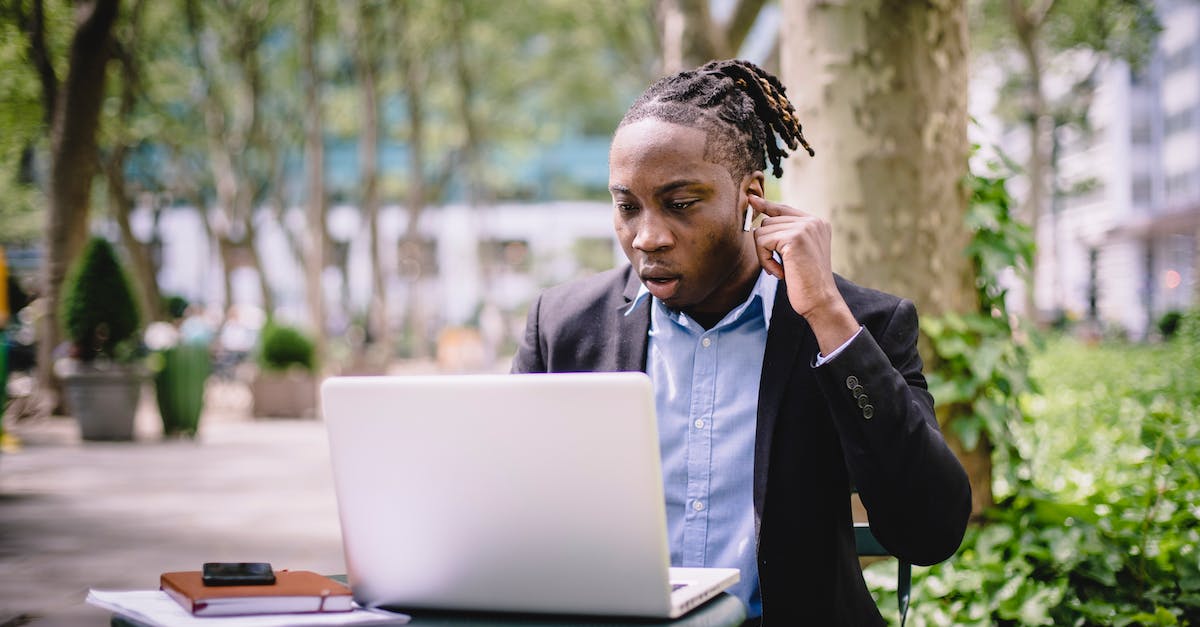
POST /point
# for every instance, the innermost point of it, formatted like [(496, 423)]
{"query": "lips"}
[(662, 285)]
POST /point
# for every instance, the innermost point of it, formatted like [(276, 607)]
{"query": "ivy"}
[(981, 363), (1098, 521)]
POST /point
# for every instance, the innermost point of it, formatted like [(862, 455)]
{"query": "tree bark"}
[(365, 58), (73, 163), (1027, 24), (314, 149), (414, 74), (881, 88)]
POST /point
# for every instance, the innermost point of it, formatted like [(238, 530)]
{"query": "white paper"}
[(155, 608)]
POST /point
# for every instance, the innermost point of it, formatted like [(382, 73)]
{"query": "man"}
[(778, 385)]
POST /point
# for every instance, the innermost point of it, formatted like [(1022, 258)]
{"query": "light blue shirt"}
[(706, 397)]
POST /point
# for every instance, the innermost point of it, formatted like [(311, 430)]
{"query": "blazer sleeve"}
[(916, 493), (529, 356)]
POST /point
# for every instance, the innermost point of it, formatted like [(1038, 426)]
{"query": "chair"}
[(869, 546)]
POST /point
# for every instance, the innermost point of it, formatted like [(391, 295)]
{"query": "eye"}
[(680, 205), (624, 207)]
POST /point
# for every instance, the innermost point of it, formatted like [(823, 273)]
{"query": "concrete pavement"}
[(76, 515)]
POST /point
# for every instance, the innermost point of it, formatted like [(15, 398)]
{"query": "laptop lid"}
[(531, 493)]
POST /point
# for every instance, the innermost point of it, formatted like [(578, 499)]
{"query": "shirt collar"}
[(764, 288)]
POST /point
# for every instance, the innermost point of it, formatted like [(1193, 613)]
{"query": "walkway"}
[(75, 516)]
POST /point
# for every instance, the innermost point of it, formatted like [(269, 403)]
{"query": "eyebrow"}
[(662, 189)]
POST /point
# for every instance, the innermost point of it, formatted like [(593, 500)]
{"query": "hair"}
[(742, 109)]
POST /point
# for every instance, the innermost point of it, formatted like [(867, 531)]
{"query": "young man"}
[(778, 384)]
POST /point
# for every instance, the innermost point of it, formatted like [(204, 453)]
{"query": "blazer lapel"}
[(787, 339), (633, 329)]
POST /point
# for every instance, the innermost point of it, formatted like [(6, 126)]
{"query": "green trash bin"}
[(179, 386)]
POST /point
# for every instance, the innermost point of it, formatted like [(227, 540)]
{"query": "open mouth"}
[(661, 287)]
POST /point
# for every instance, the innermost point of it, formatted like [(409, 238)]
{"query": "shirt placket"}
[(699, 450)]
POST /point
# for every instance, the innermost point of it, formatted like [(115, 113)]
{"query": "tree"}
[(365, 30), (122, 140), (690, 34), (881, 89), (1039, 32), (314, 151), (227, 57), (74, 103)]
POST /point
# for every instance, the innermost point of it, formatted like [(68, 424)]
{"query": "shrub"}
[(1168, 324), (282, 347), (98, 309)]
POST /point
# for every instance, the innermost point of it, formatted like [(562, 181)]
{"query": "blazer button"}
[(868, 411), (851, 382), (863, 401), (858, 391)]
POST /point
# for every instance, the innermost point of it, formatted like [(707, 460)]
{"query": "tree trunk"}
[(73, 162), (144, 272), (314, 149), (366, 53), (1026, 25), (412, 259), (881, 88)]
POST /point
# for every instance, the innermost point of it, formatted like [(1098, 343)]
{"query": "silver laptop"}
[(517, 493)]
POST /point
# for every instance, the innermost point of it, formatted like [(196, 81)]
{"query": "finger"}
[(763, 205), (765, 248)]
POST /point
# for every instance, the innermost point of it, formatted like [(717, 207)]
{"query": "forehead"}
[(652, 149)]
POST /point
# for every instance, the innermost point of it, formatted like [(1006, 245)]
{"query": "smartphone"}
[(237, 574)]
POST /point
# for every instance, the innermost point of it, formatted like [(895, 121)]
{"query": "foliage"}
[(1105, 528), (282, 347), (99, 312), (1168, 323), (979, 366)]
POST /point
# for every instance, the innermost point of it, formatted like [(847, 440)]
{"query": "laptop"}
[(534, 493)]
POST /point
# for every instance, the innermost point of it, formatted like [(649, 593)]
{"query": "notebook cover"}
[(293, 591)]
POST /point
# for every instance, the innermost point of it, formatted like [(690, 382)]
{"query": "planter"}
[(289, 394), (104, 402), (179, 388)]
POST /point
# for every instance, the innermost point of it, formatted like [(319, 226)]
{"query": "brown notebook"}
[(294, 591)]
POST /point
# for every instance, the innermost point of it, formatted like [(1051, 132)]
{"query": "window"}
[(505, 254), (594, 253), (1180, 59), (417, 258), (1142, 191), (1179, 121)]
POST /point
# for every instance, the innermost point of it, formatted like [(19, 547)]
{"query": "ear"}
[(753, 184)]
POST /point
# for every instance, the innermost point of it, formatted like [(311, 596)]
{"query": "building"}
[(1117, 243)]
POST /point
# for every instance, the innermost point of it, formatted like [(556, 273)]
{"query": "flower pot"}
[(104, 401), (289, 394), (179, 388)]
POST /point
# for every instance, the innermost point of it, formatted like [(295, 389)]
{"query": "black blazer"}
[(864, 419)]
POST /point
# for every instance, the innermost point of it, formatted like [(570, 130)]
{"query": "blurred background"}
[(236, 198)]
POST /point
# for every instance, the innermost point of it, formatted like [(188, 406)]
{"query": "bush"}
[(282, 347), (98, 310), (1168, 324), (1104, 527)]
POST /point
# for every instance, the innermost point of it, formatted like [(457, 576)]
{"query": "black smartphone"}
[(237, 574)]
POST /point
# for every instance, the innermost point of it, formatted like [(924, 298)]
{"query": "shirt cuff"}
[(822, 359)]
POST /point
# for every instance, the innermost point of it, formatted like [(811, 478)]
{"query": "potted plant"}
[(285, 385), (100, 318), (181, 367)]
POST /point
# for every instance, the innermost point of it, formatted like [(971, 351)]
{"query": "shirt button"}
[(698, 505), (706, 342), (699, 423)]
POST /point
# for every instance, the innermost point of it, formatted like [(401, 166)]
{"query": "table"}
[(723, 611)]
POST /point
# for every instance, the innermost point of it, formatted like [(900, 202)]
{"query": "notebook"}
[(515, 493)]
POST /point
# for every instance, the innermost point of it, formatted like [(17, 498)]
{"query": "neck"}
[(708, 314)]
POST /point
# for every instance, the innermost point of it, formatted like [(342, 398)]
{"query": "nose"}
[(653, 233)]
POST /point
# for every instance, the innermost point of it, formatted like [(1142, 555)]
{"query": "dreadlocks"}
[(740, 106)]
